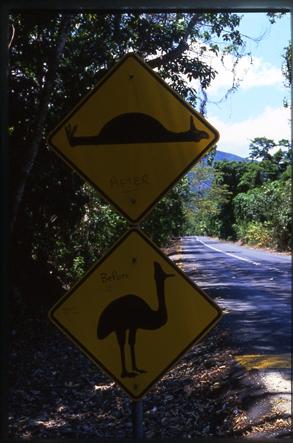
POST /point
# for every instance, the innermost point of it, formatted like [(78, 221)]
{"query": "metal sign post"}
[(137, 419)]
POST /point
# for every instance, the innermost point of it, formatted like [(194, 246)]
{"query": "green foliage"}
[(247, 205), (265, 210), (169, 217), (287, 174), (254, 233), (251, 177), (259, 148), (250, 201), (228, 176), (207, 201), (287, 70), (78, 266), (98, 228), (287, 65)]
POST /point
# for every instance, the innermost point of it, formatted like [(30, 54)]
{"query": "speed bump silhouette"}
[(130, 313), (134, 127)]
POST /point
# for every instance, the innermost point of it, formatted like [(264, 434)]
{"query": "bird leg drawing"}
[(129, 313)]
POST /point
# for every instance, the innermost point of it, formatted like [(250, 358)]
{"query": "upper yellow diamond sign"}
[(132, 137), (135, 313)]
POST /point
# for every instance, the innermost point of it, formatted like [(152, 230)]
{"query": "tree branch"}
[(178, 51), (12, 36), (42, 116)]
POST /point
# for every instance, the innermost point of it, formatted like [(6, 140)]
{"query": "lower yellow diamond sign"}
[(135, 313)]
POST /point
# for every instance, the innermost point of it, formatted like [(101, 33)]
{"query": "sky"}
[(256, 108)]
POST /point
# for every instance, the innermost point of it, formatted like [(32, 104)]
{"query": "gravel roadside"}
[(57, 392)]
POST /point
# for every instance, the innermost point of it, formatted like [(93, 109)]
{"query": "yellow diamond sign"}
[(135, 313), (132, 137)]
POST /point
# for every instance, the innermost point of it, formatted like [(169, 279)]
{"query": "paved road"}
[(253, 287)]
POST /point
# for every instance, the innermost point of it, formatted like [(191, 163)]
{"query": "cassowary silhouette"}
[(134, 127), (130, 313)]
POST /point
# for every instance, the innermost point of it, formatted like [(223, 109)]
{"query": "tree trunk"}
[(42, 116)]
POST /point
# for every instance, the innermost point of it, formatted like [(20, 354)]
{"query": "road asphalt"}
[(253, 288)]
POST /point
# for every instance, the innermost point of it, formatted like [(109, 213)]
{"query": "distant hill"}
[(221, 155)]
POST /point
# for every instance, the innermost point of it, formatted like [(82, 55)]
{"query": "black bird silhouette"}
[(134, 127), (130, 313)]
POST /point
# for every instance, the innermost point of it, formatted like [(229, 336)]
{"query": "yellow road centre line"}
[(267, 361)]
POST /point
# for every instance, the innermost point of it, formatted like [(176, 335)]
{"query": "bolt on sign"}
[(135, 313), (132, 137)]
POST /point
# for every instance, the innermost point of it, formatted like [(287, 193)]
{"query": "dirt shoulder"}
[(57, 392)]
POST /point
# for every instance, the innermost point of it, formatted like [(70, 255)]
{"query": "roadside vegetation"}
[(248, 201)]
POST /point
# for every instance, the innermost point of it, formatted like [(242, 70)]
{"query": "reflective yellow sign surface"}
[(135, 313), (132, 137)]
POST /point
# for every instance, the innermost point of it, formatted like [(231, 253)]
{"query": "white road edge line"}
[(228, 253)]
